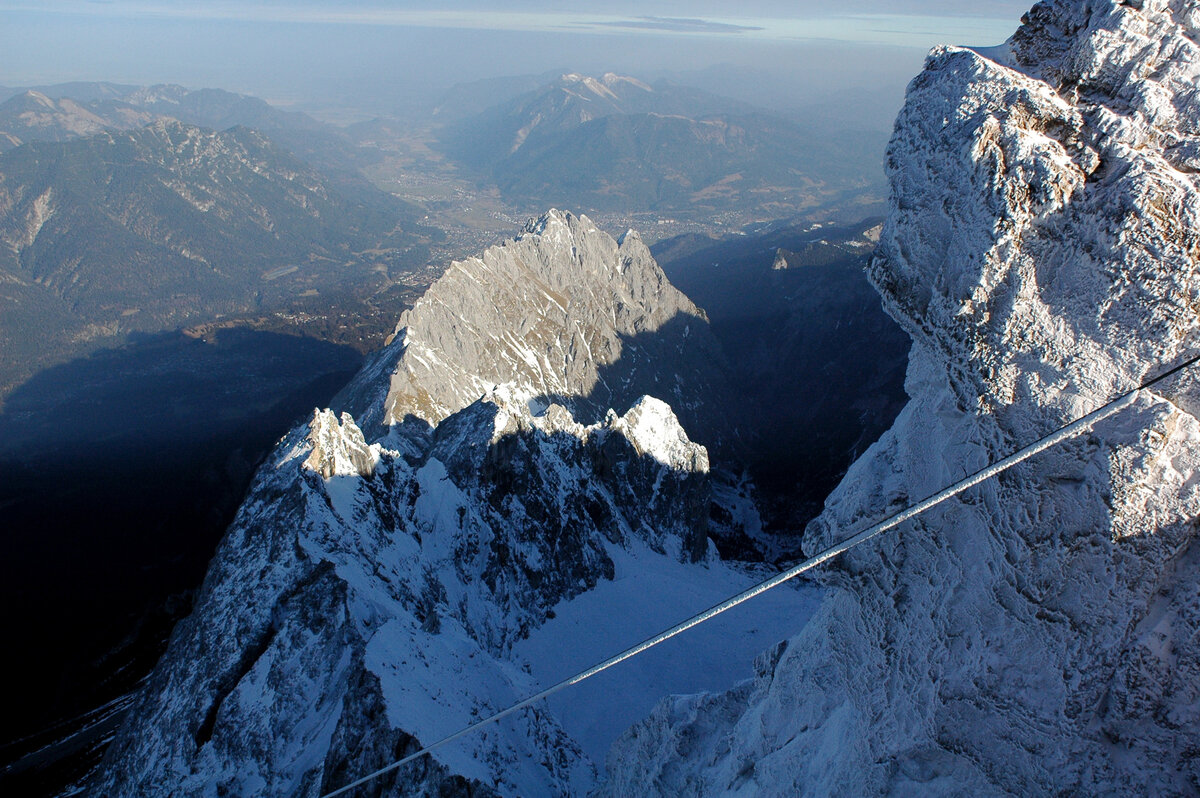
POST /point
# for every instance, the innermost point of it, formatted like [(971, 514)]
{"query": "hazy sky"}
[(377, 55)]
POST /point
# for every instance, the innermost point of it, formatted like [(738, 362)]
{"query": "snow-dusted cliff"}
[(1040, 635), (386, 585)]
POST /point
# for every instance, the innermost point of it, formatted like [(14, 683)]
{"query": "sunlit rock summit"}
[(563, 312)]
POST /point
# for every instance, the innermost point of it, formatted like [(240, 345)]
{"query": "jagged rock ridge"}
[(561, 313), (386, 585), (1039, 634)]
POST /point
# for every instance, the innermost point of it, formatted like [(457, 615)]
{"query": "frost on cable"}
[(1041, 633)]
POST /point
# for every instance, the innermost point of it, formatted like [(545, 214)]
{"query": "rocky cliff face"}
[(562, 313), (385, 586), (1038, 635)]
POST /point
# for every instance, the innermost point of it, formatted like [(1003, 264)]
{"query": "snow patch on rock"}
[(652, 428)]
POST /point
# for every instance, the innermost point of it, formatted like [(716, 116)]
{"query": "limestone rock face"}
[(1039, 635), (562, 313)]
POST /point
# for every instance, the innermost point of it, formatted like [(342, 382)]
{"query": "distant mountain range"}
[(617, 143), (149, 228), (71, 110), (129, 208), (606, 144)]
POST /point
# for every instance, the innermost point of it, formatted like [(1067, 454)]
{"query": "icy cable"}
[(1059, 435)]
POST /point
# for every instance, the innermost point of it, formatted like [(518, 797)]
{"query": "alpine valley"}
[(615, 142)]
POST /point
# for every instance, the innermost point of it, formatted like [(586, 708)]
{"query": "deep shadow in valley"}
[(121, 472), (798, 371), (817, 364)]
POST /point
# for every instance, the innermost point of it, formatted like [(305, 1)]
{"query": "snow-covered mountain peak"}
[(34, 114), (40, 99), (379, 590), (653, 429), (556, 223), (1153, 105), (1074, 152), (650, 426), (612, 79), (1085, 47), (628, 234), (606, 87)]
